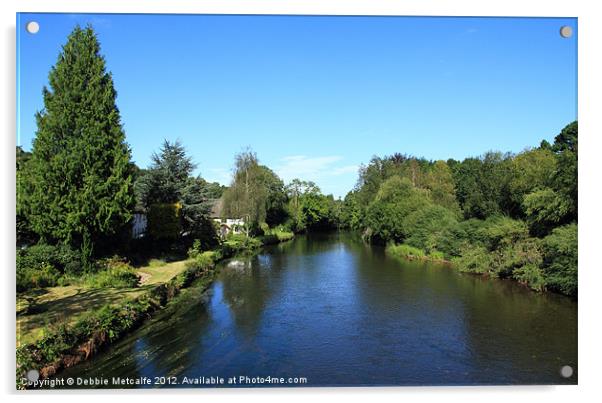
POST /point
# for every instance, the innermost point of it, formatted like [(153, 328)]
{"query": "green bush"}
[(264, 229), (526, 252), (200, 265), (45, 276), (164, 221), (117, 277), (530, 275), (61, 257), (453, 240), (227, 250), (114, 272), (275, 236), (240, 243), (237, 238), (205, 260), (474, 259), (494, 233), (195, 249), (545, 208), (560, 259), (282, 235), (496, 246), (54, 342), (404, 251), (436, 255), (397, 198), (43, 265), (500, 231), (425, 226)]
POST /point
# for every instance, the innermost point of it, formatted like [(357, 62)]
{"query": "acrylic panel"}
[(295, 201)]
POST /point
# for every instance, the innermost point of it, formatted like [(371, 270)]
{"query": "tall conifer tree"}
[(78, 185)]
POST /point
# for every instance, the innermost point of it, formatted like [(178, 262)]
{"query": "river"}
[(337, 312)]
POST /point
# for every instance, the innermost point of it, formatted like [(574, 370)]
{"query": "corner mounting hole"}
[(33, 375), (566, 31), (566, 371), (32, 27)]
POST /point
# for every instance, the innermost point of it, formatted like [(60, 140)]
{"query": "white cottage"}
[(227, 225)]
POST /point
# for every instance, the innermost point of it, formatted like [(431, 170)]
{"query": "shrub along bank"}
[(502, 247), (66, 345), (40, 266)]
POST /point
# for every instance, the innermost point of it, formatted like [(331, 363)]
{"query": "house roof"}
[(217, 208)]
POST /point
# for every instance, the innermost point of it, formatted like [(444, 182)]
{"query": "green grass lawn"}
[(54, 305)]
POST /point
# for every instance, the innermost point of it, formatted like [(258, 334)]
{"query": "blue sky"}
[(315, 97)]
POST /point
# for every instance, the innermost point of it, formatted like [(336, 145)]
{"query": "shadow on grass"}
[(71, 307)]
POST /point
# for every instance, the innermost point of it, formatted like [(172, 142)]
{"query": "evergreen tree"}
[(78, 184), (167, 177), (25, 235), (168, 182)]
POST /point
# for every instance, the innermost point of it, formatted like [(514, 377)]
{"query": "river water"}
[(338, 312)]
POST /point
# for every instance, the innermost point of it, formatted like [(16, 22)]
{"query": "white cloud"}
[(221, 175), (345, 169), (312, 168)]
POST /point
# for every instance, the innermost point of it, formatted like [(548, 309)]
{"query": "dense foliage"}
[(309, 209), (43, 265), (560, 259), (256, 193), (259, 196), (175, 202), (76, 187), (503, 215), (164, 221), (113, 272)]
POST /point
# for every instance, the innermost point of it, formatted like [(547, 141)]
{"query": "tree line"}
[(503, 215)]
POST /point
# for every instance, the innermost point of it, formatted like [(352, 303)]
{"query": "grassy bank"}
[(59, 327), (79, 338), (276, 236), (404, 251), (40, 308)]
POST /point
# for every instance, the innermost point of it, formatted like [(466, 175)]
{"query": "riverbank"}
[(408, 252), (71, 342), (38, 308), (527, 276), (93, 323)]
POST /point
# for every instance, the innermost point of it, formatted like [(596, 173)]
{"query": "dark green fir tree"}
[(78, 185)]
